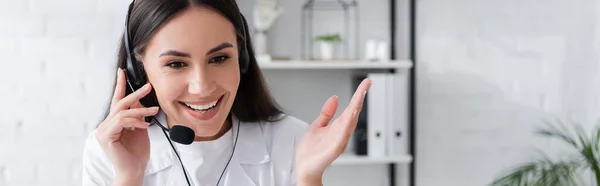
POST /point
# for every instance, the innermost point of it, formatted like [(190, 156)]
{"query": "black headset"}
[(136, 78)]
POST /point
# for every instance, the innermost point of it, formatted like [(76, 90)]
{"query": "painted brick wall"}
[(57, 61), (492, 71)]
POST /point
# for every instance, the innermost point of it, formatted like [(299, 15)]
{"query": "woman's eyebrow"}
[(220, 47), (183, 54), (174, 53)]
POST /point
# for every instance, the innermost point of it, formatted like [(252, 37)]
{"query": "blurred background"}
[(468, 82)]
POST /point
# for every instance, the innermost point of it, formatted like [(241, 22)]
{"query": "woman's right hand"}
[(129, 150)]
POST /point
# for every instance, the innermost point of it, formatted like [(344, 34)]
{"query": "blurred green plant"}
[(330, 38), (545, 172)]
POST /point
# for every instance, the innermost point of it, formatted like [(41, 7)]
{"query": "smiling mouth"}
[(203, 108)]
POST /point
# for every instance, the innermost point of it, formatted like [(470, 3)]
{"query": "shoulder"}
[(287, 125), (97, 168), (285, 135)]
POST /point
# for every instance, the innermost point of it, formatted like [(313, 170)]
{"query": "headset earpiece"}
[(135, 76), (244, 60), (134, 71), (244, 57)]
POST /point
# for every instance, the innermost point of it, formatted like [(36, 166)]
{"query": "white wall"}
[(57, 59), (489, 72)]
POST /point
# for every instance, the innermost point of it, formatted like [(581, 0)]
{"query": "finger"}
[(119, 124), (136, 125), (347, 123), (138, 112), (355, 106), (327, 112), (119, 88), (132, 98)]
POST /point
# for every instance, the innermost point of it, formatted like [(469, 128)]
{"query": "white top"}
[(264, 155), (205, 160)]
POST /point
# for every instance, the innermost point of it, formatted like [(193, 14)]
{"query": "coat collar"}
[(251, 147)]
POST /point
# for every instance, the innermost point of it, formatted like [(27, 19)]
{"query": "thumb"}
[(327, 112)]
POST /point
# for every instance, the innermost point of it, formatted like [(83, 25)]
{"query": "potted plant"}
[(327, 43), (544, 171)]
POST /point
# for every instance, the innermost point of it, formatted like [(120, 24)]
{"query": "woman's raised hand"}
[(123, 135), (323, 143)]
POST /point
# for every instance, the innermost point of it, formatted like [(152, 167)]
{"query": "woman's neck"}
[(224, 128)]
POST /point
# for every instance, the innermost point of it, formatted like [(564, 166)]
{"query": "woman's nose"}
[(201, 84)]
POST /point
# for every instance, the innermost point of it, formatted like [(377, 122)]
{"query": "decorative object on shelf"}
[(383, 51), (328, 13), (327, 45), (566, 171), (265, 13), (376, 50)]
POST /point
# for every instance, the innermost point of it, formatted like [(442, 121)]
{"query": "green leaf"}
[(596, 137), (589, 151), (329, 38), (543, 172), (552, 131)]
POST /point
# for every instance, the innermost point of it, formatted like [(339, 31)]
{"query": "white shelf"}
[(298, 64), (366, 160)]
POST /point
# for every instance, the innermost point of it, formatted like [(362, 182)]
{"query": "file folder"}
[(377, 115), (397, 114)]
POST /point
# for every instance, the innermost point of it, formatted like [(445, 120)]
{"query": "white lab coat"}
[(264, 156)]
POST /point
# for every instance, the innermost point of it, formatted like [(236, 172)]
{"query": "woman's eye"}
[(176, 65), (218, 59)]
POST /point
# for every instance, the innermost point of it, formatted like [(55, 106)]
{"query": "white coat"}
[(264, 156)]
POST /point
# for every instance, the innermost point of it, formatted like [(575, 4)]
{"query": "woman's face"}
[(192, 64)]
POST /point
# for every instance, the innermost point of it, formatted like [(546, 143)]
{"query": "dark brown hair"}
[(253, 101)]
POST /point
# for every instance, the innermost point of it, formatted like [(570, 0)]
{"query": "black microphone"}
[(179, 133), (182, 134)]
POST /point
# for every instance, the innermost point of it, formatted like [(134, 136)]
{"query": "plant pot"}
[(327, 50)]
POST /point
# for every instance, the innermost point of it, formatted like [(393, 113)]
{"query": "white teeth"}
[(203, 107)]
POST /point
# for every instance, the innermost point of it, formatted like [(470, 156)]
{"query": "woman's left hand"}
[(323, 143)]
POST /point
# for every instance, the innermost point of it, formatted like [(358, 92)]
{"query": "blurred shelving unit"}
[(312, 74), (301, 84), (300, 64)]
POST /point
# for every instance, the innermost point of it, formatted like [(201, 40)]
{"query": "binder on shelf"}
[(397, 115), (383, 121), (377, 115)]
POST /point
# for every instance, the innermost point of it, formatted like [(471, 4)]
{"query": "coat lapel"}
[(251, 154), (161, 155)]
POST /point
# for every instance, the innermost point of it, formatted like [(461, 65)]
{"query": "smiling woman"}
[(189, 65)]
